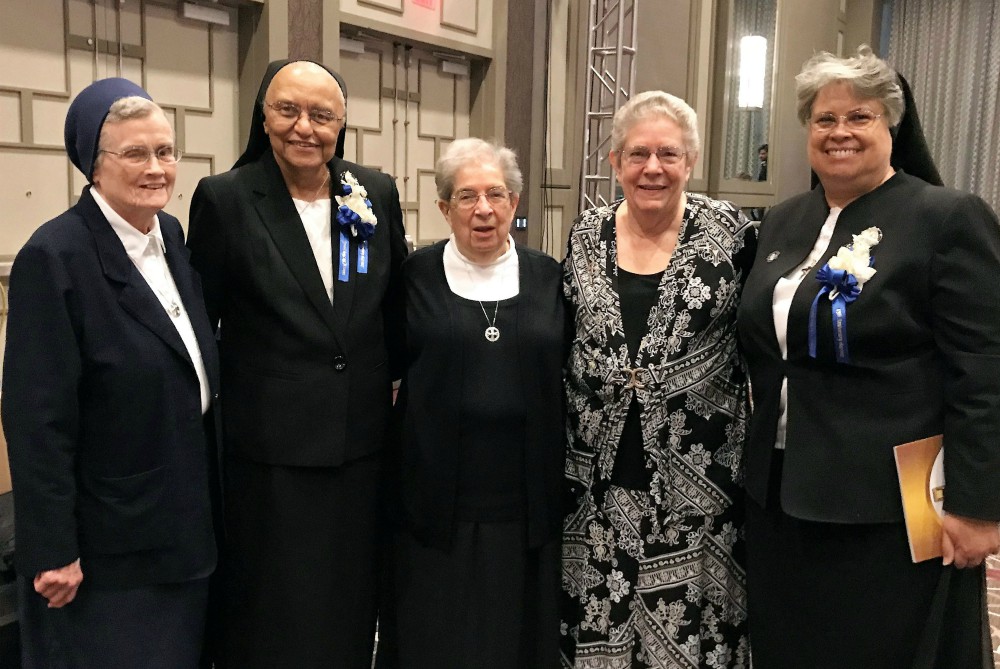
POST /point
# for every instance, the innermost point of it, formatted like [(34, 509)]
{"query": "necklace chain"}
[(315, 196), (492, 332), (172, 305)]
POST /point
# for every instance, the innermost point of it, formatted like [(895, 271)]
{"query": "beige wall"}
[(680, 48), (803, 29)]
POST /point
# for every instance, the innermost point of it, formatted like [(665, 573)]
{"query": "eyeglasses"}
[(140, 155), (292, 112), (468, 199), (639, 155), (859, 119)]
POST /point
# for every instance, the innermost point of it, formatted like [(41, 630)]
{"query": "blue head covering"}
[(86, 115)]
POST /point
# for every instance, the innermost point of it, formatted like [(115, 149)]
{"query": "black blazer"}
[(924, 346), (426, 411), (306, 383), (102, 409)]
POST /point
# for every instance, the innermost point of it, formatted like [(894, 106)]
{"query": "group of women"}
[(579, 473)]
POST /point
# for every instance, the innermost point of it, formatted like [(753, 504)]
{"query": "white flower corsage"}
[(355, 210), (842, 278), (855, 259), (355, 217)]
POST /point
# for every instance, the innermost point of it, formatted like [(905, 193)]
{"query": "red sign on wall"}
[(429, 4)]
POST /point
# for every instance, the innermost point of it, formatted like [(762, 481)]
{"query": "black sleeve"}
[(207, 242), (965, 308), (42, 371), (393, 303)]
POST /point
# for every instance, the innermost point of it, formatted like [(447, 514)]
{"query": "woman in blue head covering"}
[(110, 372)]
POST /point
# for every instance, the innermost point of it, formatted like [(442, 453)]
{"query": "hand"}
[(59, 586), (967, 541)]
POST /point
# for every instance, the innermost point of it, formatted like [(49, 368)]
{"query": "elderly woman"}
[(109, 373), (870, 321), (300, 252), (476, 562), (657, 401)]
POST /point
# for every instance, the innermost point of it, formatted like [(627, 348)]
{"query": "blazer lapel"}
[(278, 215), (798, 240), (343, 291), (136, 297), (180, 268)]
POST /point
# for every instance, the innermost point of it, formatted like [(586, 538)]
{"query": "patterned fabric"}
[(655, 578)]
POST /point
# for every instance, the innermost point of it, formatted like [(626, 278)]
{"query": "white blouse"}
[(148, 253), (781, 302), (318, 226)]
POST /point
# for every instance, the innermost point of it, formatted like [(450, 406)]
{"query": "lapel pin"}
[(772, 256)]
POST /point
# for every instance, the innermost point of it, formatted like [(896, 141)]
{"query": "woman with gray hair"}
[(652, 565), (110, 377), (480, 450), (870, 321)]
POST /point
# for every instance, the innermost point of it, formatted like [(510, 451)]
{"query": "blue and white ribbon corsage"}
[(842, 279), (355, 217)]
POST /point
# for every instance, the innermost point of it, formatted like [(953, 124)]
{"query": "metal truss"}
[(610, 80)]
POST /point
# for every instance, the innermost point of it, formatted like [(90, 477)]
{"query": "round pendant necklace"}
[(492, 333)]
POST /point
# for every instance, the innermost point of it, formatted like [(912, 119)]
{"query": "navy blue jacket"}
[(102, 409)]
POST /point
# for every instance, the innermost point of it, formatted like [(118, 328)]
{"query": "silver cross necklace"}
[(492, 332)]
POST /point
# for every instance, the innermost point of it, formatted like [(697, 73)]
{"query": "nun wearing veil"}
[(870, 320), (299, 251)]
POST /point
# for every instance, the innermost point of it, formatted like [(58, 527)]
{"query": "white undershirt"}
[(494, 281), (316, 219), (781, 302), (148, 253)]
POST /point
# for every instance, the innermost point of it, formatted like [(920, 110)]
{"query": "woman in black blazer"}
[(109, 375), (299, 251), (481, 446), (870, 320)]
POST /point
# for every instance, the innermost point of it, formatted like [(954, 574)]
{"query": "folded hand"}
[(967, 541), (59, 586)]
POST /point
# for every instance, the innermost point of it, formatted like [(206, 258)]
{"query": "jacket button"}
[(340, 363)]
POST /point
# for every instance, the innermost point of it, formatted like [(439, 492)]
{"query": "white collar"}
[(452, 247), (135, 242)]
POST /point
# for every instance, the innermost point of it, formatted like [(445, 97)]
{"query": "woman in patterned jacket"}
[(657, 401)]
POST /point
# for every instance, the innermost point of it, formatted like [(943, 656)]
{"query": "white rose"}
[(870, 237), (854, 263)]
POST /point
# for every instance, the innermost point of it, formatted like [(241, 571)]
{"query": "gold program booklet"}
[(920, 467)]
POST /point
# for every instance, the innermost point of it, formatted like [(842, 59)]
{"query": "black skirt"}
[(828, 595), (489, 602)]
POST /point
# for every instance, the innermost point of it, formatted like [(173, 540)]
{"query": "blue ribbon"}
[(344, 264), (350, 222), (363, 257), (845, 289)]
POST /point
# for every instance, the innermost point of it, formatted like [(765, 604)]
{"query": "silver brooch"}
[(773, 255)]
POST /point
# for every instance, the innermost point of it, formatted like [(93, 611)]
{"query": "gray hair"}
[(132, 107), (656, 103), (869, 76), (475, 151), (127, 109)]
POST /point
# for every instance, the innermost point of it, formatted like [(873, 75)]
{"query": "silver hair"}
[(656, 103), (472, 150), (132, 107), (127, 109), (869, 76)]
